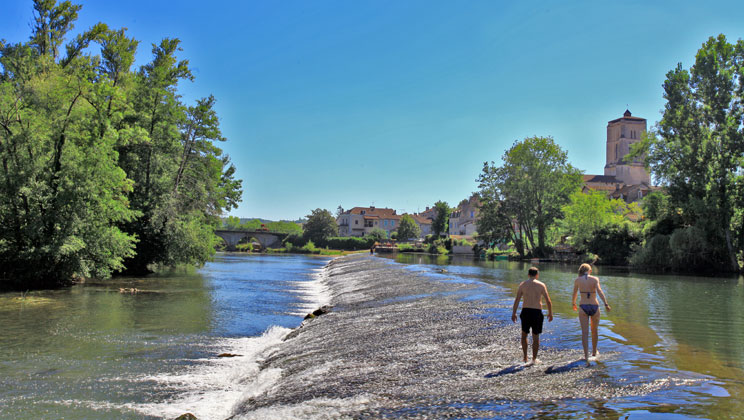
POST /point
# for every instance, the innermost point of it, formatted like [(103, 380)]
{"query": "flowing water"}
[(417, 337), (91, 352)]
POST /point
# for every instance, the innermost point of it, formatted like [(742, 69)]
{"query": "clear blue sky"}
[(399, 103)]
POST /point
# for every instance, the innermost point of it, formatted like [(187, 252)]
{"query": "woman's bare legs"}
[(595, 333), (584, 321)]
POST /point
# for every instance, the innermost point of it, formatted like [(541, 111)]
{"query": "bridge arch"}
[(266, 239)]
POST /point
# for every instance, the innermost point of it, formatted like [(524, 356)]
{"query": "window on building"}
[(356, 222), (392, 223), (640, 194), (472, 214), (368, 223), (364, 211)]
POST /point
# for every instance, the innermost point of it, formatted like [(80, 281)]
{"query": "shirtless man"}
[(532, 317), (589, 288)]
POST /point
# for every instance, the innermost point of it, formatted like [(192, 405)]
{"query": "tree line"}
[(694, 222), (103, 167)]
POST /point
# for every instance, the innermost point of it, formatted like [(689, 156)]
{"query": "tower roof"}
[(627, 113)]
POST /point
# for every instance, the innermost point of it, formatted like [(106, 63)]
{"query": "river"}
[(409, 337)]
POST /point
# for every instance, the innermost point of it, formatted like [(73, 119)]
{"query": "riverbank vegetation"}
[(103, 168), (693, 222), (234, 223)]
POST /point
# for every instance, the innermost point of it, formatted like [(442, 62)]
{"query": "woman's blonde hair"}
[(584, 268)]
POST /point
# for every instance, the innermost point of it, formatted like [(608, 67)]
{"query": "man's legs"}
[(524, 345), (535, 346)]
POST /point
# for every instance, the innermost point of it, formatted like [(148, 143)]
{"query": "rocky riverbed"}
[(417, 343)]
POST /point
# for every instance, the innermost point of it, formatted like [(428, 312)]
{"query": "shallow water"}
[(405, 340), (92, 352), (658, 322)]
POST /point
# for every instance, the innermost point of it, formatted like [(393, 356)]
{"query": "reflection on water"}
[(685, 323), (90, 351)]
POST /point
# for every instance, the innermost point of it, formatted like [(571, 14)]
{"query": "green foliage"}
[(614, 244), (320, 225), (589, 212), (521, 199), (377, 234), (102, 168), (408, 228), (343, 243), (697, 152), (441, 220)]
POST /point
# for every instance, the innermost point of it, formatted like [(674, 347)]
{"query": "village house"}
[(359, 221), (463, 220)]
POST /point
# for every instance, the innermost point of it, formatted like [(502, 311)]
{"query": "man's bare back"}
[(532, 291)]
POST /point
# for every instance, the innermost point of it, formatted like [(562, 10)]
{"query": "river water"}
[(410, 337)]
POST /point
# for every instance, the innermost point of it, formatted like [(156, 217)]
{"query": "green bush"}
[(614, 244), (347, 243), (654, 255)]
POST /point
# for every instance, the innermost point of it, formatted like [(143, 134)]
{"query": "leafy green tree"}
[(320, 225), (441, 219), (408, 228), (102, 168), (591, 211), (377, 234), (697, 152), (527, 192), (284, 227), (61, 191)]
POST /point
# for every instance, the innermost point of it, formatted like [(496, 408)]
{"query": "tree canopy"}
[(521, 199), (697, 154), (320, 225), (408, 228), (589, 212), (441, 219), (102, 167)]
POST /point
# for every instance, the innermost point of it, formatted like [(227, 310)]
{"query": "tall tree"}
[(320, 225), (529, 189), (95, 158), (441, 219), (61, 191), (408, 228), (697, 151)]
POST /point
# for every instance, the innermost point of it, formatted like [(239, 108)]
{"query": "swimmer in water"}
[(589, 288)]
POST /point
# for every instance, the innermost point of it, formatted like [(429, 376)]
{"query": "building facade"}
[(359, 221), (623, 177), (463, 220)]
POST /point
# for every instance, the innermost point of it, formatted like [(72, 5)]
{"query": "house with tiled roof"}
[(424, 223), (359, 221)]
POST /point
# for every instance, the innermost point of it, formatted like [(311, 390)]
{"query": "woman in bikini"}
[(589, 288)]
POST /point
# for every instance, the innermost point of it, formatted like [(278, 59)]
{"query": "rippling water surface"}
[(657, 323), (92, 352)]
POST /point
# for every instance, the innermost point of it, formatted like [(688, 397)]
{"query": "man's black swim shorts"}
[(531, 318)]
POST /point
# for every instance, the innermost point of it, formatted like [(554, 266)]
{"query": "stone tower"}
[(621, 133)]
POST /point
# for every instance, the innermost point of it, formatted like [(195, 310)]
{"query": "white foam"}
[(212, 387), (313, 293)]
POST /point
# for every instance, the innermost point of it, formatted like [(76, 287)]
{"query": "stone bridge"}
[(265, 238)]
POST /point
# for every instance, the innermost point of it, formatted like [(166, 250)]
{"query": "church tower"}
[(621, 133)]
